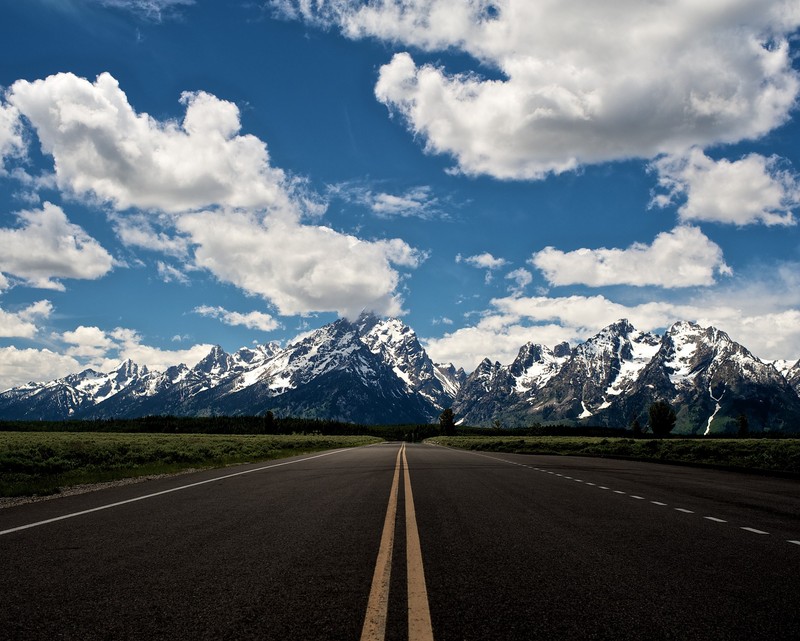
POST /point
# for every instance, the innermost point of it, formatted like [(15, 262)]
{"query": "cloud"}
[(104, 149), (521, 277), (156, 359), (171, 274), (683, 257), (417, 202), (138, 230), (483, 261), (23, 324), (300, 268), (770, 333), (251, 320), (214, 191), (47, 247), (12, 144), (104, 350), (468, 346), (583, 82), (21, 366), (155, 10), (88, 342), (753, 189)]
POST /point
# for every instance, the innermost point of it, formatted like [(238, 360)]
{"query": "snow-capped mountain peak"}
[(376, 370), (397, 344)]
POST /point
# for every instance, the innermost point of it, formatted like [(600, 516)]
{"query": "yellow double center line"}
[(419, 615)]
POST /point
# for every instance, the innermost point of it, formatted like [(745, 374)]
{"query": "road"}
[(410, 542)]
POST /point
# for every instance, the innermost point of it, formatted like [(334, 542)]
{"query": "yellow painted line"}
[(419, 615), (378, 604)]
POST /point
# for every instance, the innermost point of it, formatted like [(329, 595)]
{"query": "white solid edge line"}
[(174, 489)]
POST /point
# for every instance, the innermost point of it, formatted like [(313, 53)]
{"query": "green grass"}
[(782, 455), (37, 463)]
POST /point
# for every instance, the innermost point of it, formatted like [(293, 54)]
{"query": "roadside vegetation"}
[(265, 424), (770, 455), (39, 463), (39, 457)]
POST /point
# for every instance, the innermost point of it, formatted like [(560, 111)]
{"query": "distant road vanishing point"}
[(413, 542)]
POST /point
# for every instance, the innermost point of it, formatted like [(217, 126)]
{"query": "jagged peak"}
[(487, 366), (529, 354), (216, 356), (366, 321), (127, 368), (623, 327)]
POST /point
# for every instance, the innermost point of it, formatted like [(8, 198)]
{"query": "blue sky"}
[(183, 173)]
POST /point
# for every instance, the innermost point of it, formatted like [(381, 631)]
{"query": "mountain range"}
[(376, 371)]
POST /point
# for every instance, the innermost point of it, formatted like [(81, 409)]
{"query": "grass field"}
[(780, 455), (36, 463)]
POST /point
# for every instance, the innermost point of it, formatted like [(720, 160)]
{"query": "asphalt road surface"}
[(410, 542)]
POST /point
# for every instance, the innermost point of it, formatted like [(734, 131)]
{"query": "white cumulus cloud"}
[(21, 366), (104, 149), (105, 350), (769, 331), (579, 81), (300, 268), (683, 257), (12, 143), (23, 323), (88, 342), (47, 247), (142, 231), (521, 278), (483, 261), (753, 189), (215, 201), (251, 320)]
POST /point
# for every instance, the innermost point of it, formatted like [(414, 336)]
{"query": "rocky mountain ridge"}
[(376, 371)]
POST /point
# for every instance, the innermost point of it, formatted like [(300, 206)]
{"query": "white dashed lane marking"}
[(753, 530), (637, 497)]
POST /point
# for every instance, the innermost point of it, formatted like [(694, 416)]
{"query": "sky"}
[(176, 174)]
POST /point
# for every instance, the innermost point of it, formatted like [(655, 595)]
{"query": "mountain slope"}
[(711, 380), (397, 345)]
